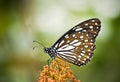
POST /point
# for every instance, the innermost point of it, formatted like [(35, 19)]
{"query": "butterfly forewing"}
[(78, 44)]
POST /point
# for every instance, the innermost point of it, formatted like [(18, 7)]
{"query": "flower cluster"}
[(58, 71)]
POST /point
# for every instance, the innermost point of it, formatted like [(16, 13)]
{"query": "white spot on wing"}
[(96, 23), (89, 54), (78, 59), (79, 64), (91, 27), (89, 50), (91, 40), (81, 54), (74, 41), (86, 24), (94, 35), (69, 47), (86, 40), (84, 31), (81, 36), (77, 44), (68, 41), (84, 59), (97, 27), (91, 43), (83, 51), (95, 32), (79, 32), (78, 29), (67, 36), (86, 46), (73, 35), (93, 20), (88, 57), (81, 48), (91, 47), (56, 46)]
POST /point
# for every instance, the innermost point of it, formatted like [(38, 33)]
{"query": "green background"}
[(22, 21)]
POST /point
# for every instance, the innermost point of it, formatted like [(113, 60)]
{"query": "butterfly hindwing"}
[(78, 44)]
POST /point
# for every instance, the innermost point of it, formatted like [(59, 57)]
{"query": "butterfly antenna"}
[(38, 43)]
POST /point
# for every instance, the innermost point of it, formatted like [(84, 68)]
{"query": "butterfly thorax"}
[(52, 52)]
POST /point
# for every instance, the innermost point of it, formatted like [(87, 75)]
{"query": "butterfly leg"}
[(49, 60)]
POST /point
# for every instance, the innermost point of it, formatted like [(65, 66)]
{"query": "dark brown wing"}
[(78, 44)]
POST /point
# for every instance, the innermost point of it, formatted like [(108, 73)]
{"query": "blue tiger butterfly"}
[(77, 45)]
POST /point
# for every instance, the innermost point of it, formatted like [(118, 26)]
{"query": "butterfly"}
[(77, 45)]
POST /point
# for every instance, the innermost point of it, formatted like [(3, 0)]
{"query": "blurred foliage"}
[(22, 21)]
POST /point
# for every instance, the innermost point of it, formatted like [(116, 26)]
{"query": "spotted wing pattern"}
[(78, 44)]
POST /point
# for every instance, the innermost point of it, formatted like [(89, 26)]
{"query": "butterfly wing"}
[(78, 44)]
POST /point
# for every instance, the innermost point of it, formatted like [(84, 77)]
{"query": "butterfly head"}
[(52, 52)]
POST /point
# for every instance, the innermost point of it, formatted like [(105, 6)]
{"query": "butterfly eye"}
[(78, 44)]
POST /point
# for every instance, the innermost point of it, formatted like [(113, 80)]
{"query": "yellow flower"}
[(58, 71)]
